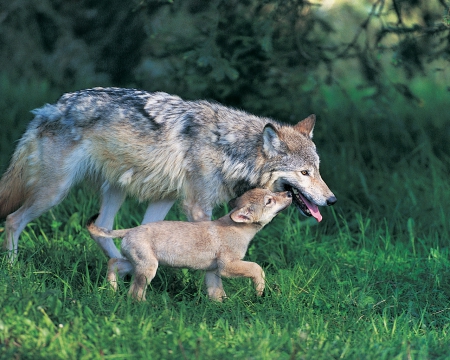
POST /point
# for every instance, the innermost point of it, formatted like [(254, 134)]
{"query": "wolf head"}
[(293, 165)]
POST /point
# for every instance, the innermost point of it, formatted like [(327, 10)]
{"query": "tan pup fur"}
[(215, 246)]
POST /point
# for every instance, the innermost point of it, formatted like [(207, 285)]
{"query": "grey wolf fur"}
[(216, 246), (157, 148)]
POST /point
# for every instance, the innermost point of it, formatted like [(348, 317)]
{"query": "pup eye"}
[(304, 172), (269, 201)]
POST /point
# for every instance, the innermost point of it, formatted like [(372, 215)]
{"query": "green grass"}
[(369, 282)]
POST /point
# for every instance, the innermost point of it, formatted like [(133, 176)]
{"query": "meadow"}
[(369, 282)]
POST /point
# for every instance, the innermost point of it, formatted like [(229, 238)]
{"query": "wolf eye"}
[(304, 172), (268, 201)]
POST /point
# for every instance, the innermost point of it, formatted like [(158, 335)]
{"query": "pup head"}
[(259, 206)]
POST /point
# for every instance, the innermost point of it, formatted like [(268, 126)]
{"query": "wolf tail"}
[(94, 230), (13, 189)]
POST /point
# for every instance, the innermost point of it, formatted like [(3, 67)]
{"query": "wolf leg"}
[(195, 212), (112, 199), (157, 211), (38, 202), (14, 225)]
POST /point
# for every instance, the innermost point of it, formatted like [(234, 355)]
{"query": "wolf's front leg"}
[(112, 199), (198, 213), (246, 269), (157, 211)]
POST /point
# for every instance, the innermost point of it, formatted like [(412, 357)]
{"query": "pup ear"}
[(271, 142), (306, 126), (242, 215)]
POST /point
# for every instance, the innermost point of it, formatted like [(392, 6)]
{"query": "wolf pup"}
[(157, 148), (216, 246)]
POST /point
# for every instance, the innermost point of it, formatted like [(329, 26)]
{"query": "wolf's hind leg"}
[(157, 211), (112, 199), (43, 198), (14, 225)]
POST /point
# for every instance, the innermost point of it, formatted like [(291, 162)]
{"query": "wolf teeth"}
[(299, 201)]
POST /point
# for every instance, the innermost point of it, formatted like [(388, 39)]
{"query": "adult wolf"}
[(157, 148)]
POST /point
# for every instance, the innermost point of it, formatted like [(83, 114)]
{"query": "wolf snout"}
[(331, 200)]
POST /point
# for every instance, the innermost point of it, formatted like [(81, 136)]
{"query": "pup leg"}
[(112, 199), (119, 267), (246, 269), (196, 212), (214, 286), (157, 211), (144, 273)]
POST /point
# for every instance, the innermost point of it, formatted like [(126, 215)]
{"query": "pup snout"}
[(331, 200)]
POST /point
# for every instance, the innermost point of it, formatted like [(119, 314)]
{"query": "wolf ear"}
[(271, 142), (306, 126), (242, 215)]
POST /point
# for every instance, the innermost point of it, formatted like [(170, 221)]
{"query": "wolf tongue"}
[(313, 208)]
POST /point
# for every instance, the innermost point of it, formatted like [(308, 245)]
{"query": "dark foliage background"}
[(267, 56)]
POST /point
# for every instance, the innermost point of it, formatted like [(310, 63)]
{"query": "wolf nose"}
[(331, 200)]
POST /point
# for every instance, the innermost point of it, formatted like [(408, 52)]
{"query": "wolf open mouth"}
[(305, 206)]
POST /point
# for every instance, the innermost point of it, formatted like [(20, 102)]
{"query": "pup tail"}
[(13, 184), (94, 230)]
